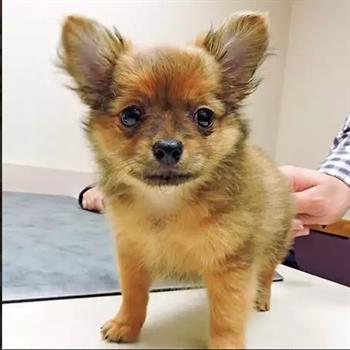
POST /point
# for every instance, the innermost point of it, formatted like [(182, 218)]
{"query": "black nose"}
[(168, 151)]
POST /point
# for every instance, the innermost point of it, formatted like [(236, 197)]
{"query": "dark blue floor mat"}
[(53, 248)]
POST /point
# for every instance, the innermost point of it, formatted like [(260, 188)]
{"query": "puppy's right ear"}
[(89, 53), (239, 45)]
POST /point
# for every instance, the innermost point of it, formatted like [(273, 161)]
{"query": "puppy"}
[(186, 193)]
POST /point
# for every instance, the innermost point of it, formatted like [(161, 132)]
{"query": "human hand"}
[(93, 199), (320, 198)]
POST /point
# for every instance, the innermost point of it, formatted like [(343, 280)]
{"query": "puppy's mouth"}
[(169, 178)]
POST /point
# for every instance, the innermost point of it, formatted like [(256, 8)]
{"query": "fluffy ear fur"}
[(239, 45), (89, 53)]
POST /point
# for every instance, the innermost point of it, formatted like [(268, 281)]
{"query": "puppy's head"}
[(164, 115)]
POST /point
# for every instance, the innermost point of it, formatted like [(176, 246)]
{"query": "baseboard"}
[(23, 178)]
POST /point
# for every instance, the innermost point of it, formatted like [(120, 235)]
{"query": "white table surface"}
[(307, 312)]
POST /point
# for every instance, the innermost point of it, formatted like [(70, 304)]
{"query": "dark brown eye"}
[(204, 117), (131, 116)]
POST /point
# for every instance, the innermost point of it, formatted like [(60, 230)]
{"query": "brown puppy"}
[(186, 193)]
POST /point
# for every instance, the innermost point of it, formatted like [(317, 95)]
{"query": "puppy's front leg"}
[(135, 282), (231, 294)]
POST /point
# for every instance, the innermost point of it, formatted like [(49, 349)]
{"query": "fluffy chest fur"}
[(177, 231)]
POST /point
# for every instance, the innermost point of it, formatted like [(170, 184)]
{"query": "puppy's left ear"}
[(239, 45), (89, 52)]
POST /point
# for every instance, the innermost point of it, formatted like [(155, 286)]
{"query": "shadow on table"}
[(188, 327)]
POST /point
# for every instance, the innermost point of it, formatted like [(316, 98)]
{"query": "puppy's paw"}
[(120, 332), (262, 302)]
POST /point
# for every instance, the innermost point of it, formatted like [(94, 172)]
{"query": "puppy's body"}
[(186, 193), (194, 229)]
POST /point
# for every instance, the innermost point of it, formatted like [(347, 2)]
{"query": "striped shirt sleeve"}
[(337, 162)]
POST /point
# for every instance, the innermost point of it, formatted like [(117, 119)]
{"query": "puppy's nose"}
[(168, 151)]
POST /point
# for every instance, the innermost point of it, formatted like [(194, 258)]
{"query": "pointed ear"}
[(89, 53), (239, 45)]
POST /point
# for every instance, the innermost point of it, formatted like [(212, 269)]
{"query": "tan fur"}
[(229, 224)]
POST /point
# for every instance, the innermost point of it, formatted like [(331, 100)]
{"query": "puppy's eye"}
[(131, 116), (204, 117)]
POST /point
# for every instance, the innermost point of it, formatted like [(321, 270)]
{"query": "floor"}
[(53, 248), (307, 312)]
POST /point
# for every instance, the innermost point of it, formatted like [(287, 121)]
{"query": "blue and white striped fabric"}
[(338, 161)]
